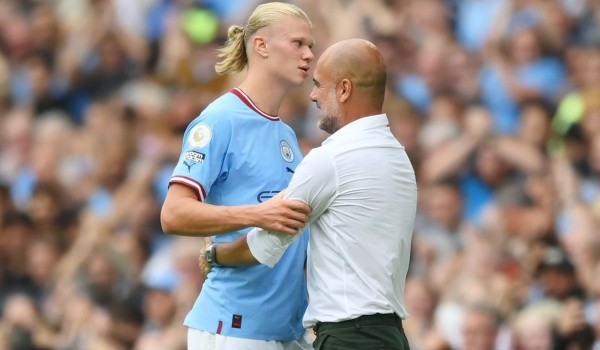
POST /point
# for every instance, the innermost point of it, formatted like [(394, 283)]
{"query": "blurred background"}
[(496, 101)]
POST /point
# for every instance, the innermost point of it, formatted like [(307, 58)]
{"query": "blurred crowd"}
[(496, 101)]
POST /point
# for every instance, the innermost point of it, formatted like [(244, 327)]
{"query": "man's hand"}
[(205, 267), (277, 215), (203, 264), (282, 215)]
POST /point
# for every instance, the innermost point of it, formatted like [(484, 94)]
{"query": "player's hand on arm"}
[(183, 214), (280, 219), (282, 215)]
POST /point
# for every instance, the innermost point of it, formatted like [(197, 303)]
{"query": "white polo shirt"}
[(361, 187)]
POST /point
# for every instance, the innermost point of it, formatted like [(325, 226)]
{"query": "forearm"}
[(188, 217), (235, 253), (517, 91), (447, 160), (519, 154), (522, 93), (256, 247)]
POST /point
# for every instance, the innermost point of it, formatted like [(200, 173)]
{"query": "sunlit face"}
[(444, 205), (525, 47), (324, 96), (490, 167), (534, 126), (534, 334), (289, 43), (479, 331), (592, 68)]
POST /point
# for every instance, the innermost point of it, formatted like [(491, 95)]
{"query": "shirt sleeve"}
[(314, 183), (203, 152), (267, 247)]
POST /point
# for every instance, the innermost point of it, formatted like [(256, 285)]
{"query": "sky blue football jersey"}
[(235, 154)]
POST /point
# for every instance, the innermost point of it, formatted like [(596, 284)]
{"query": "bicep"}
[(178, 192)]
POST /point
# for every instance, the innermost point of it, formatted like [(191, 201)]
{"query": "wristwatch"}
[(210, 254)]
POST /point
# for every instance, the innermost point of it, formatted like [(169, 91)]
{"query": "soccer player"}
[(235, 156)]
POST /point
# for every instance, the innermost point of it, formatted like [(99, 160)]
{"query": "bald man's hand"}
[(282, 215)]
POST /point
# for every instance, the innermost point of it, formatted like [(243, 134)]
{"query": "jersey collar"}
[(242, 96)]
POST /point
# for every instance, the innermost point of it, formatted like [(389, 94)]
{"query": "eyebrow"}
[(304, 41)]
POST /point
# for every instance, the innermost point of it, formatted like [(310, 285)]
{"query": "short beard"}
[(329, 124), (329, 121)]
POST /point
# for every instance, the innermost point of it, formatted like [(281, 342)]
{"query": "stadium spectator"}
[(95, 96)]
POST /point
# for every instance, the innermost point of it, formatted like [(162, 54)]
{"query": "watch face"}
[(208, 254)]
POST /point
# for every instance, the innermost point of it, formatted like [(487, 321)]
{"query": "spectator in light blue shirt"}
[(525, 74)]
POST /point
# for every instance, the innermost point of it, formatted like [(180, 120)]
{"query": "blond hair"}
[(232, 55)]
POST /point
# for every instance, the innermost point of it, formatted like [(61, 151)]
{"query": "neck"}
[(266, 93), (357, 111)]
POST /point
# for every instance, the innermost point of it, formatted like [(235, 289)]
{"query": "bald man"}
[(362, 190)]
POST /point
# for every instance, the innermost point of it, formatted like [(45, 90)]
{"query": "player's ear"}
[(259, 44)]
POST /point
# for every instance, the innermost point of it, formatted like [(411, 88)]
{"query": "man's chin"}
[(327, 128)]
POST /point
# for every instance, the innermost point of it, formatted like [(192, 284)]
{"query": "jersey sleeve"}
[(203, 153), (314, 183)]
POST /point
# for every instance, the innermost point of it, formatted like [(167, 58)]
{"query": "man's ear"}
[(345, 89), (260, 46)]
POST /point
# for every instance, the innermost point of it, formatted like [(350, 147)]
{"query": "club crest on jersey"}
[(286, 151), (200, 135)]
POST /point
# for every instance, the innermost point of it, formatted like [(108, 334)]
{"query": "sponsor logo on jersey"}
[(200, 135), (192, 158), (266, 195), (286, 151)]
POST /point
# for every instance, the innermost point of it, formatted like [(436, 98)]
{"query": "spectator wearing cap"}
[(558, 280), (556, 275)]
